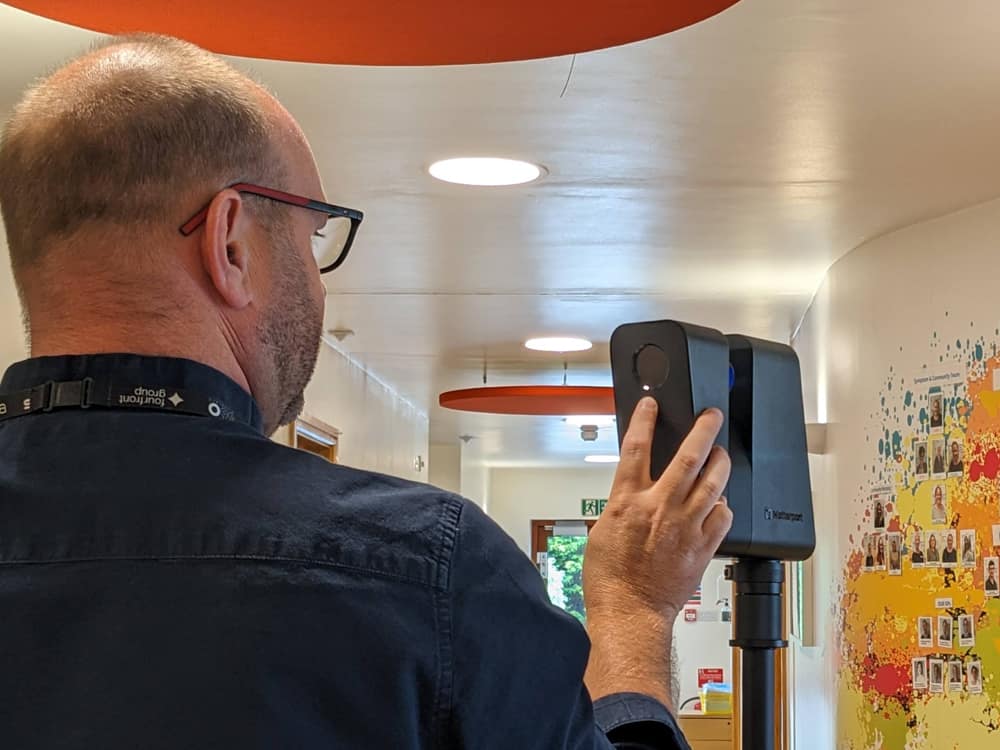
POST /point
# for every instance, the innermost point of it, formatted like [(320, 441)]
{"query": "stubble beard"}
[(290, 335)]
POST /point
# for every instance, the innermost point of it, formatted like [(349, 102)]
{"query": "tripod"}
[(757, 633)]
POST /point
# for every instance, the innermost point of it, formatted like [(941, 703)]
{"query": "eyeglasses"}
[(334, 243)]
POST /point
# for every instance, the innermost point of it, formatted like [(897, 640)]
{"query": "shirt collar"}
[(167, 372)]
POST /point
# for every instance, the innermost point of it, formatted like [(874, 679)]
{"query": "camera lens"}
[(651, 367)]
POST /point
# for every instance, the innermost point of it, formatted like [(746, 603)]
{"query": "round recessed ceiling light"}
[(558, 344), (486, 171), (599, 420), (601, 459)]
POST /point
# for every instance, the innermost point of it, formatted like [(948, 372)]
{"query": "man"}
[(955, 673), (175, 579), (895, 559), (937, 675), (950, 554), (991, 578), (955, 464), (917, 556), (922, 459), (936, 417), (968, 550), (938, 458), (966, 624), (944, 632), (879, 515)]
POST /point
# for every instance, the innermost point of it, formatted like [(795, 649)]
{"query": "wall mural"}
[(920, 613)]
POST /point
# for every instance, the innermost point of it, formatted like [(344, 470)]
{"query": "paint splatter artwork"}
[(919, 616)]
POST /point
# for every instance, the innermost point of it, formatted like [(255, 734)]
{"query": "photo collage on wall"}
[(937, 460), (920, 598)]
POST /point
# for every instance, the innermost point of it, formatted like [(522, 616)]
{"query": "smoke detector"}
[(340, 333)]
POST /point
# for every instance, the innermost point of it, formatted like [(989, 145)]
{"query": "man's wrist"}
[(630, 653)]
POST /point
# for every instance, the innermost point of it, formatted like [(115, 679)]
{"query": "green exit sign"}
[(591, 507)]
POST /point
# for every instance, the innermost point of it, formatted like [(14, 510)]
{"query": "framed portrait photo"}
[(966, 631)]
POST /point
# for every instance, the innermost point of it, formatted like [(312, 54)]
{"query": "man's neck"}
[(196, 348)]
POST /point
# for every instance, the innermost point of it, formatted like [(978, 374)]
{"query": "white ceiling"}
[(711, 175)]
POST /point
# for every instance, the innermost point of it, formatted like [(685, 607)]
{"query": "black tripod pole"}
[(757, 633)]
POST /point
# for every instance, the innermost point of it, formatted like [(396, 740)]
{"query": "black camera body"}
[(757, 386)]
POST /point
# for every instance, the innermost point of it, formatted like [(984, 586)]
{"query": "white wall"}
[(814, 680), (381, 431), (519, 495), (474, 478), (705, 644), (444, 467), (877, 308)]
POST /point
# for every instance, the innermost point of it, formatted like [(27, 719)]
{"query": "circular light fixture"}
[(601, 459), (486, 171), (598, 420), (560, 344)]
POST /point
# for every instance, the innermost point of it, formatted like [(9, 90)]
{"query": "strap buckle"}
[(70, 393), (45, 397)]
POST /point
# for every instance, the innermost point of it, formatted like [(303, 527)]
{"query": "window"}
[(557, 549)]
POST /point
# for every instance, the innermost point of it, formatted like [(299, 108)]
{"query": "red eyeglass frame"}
[(332, 211)]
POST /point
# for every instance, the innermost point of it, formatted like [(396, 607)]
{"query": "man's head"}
[(939, 451), (102, 162), (916, 542), (936, 407), (954, 452), (922, 452), (991, 568), (951, 542)]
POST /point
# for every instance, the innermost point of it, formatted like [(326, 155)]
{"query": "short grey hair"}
[(134, 132)]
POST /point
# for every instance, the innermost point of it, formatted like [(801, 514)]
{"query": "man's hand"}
[(648, 552)]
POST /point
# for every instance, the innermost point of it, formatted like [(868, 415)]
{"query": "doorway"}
[(557, 549)]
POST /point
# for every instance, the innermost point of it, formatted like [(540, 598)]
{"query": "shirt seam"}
[(443, 709), (214, 558), (615, 711)]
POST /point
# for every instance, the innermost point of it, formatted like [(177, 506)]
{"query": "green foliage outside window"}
[(566, 556)]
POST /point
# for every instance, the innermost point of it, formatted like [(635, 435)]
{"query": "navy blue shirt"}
[(179, 581)]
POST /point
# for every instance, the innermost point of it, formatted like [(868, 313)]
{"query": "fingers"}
[(633, 468), (708, 488), (717, 524), (679, 477)]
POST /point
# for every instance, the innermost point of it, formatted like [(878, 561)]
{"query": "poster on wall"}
[(919, 610)]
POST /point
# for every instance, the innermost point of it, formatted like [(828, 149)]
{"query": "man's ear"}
[(225, 248)]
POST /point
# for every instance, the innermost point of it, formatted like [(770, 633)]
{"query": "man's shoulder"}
[(338, 515)]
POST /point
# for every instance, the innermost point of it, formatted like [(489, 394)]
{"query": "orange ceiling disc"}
[(534, 400), (389, 32)]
